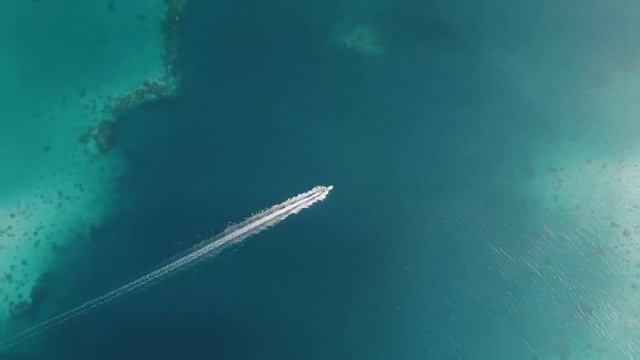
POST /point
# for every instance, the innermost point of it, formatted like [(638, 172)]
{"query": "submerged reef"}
[(101, 138), (364, 39), (105, 135), (148, 91), (75, 164), (38, 295)]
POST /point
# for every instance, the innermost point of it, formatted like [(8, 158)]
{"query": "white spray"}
[(234, 234)]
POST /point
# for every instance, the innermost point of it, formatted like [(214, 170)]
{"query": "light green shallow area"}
[(574, 165), (578, 168), (62, 63)]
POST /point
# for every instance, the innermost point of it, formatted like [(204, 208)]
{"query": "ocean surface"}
[(484, 155)]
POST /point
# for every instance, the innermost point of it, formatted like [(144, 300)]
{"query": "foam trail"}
[(234, 234)]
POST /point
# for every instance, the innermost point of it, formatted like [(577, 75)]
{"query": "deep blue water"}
[(395, 264)]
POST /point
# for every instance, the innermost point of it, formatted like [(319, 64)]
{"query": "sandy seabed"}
[(69, 71)]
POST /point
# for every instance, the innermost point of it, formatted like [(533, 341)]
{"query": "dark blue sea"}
[(482, 156)]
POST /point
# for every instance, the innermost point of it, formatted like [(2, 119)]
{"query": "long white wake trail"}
[(234, 234)]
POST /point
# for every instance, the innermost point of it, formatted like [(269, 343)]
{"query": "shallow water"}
[(483, 154), (64, 66)]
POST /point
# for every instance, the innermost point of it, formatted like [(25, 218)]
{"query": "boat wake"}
[(232, 235)]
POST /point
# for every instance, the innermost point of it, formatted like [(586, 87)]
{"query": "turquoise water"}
[(64, 66), (484, 156)]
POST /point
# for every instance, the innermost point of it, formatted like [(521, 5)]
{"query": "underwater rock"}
[(363, 39), (105, 135), (149, 90), (38, 295)]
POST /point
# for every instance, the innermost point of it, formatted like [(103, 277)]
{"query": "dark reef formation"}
[(41, 289), (103, 135), (38, 295), (148, 91)]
